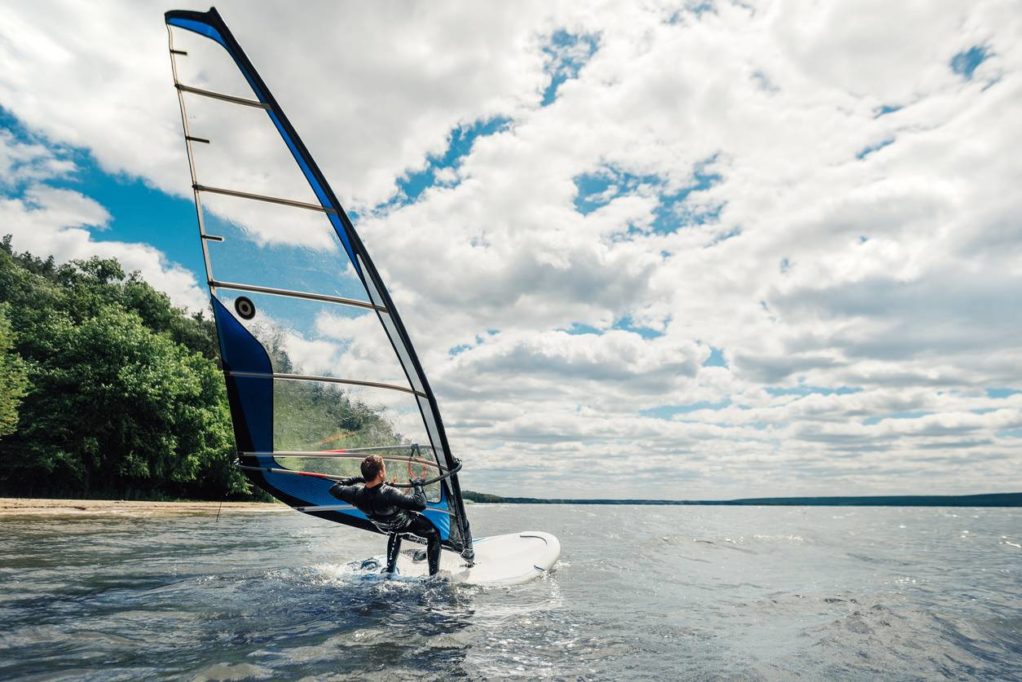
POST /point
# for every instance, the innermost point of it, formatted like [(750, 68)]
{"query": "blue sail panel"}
[(200, 27)]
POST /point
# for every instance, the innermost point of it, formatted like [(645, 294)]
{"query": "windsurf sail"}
[(320, 370)]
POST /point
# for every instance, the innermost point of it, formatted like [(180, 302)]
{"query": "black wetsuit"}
[(393, 512)]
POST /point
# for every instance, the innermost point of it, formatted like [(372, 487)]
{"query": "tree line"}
[(108, 390)]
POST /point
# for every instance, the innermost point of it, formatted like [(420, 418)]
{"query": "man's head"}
[(373, 469)]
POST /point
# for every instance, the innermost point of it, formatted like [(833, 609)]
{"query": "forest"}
[(109, 391)]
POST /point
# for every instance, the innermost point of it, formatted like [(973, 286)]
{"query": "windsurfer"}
[(390, 510)]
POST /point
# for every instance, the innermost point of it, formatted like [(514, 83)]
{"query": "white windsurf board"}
[(499, 560)]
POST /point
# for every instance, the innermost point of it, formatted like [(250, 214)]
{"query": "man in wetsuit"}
[(390, 510)]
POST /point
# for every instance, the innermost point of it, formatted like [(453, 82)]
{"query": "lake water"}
[(663, 593)]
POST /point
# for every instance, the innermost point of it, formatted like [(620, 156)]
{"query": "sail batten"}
[(327, 379), (221, 96), (333, 507), (356, 453), (261, 197), (317, 361), (295, 294)]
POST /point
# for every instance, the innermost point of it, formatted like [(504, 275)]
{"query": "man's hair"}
[(371, 467)]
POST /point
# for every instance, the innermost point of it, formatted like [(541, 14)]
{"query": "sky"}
[(690, 250)]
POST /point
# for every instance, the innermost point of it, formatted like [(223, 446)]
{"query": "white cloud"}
[(26, 162), (45, 221), (851, 249)]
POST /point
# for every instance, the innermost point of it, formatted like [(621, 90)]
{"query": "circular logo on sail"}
[(245, 308)]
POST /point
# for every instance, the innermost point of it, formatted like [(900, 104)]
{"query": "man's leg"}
[(433, 552), (424, 529), (393, 549)]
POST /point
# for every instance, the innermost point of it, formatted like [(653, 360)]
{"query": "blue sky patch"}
[(696, 8), (566, 54), (764, 83), (866, 151), (459, 349), (966, 62), (578, 328), (735, 231), (885, 109), (596, 190), (672, 213), (626, 324), (671, 411), (716, 358), (804, 390), (1001, 392), (459, 145), (905, 414)]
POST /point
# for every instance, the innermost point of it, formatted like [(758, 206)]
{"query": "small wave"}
[(780, 538), (338, 572), (368, 571), (233, 671)]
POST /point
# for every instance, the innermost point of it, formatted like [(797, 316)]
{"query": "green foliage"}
[(13, 377), (126, 398), (135, 393), (485, 498), (316, 417)]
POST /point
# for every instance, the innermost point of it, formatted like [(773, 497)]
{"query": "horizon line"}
[(970, 500)]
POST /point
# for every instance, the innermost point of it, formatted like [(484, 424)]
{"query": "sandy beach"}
[(16, 506)]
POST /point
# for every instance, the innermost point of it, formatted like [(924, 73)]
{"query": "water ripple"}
[(685, 593)]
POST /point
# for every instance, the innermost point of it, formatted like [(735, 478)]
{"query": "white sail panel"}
[(321, 339), (244, 152), (278, 247), (203, 63)]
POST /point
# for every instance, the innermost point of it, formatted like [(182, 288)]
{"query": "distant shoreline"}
[(983, 500), (23, 506)]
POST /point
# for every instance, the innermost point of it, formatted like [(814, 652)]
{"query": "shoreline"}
[(23, 506)]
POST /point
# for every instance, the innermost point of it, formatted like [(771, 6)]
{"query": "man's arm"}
[(345, 490), (413, 502)]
